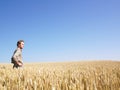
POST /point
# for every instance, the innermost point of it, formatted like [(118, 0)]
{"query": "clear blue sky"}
[(60, 30)]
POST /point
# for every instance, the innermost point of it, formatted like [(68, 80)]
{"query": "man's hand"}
[(19, 63)]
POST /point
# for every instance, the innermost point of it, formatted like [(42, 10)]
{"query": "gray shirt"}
[(17, 55)]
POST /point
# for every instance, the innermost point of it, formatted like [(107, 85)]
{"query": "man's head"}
[(20, 44)]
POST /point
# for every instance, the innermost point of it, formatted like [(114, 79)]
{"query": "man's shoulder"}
[(18, 49)]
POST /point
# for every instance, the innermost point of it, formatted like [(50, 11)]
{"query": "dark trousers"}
[(15, 65)]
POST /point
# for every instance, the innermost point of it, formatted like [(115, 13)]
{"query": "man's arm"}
[(16, 56)]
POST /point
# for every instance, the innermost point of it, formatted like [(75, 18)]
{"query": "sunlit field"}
[(87, 75)]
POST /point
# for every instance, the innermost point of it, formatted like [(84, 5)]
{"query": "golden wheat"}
[(97, 75)]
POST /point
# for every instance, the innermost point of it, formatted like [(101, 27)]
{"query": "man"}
[(17, 55)]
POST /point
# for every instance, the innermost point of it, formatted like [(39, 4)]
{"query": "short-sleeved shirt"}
[(17, 55)]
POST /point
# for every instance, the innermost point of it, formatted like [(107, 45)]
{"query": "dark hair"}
[(19, 42)]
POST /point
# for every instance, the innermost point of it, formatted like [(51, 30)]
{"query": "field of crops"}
[(88, 75)]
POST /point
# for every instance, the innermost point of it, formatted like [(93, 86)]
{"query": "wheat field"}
[(86, 75)]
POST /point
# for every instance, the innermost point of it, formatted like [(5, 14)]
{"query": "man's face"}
[(21, 45)]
